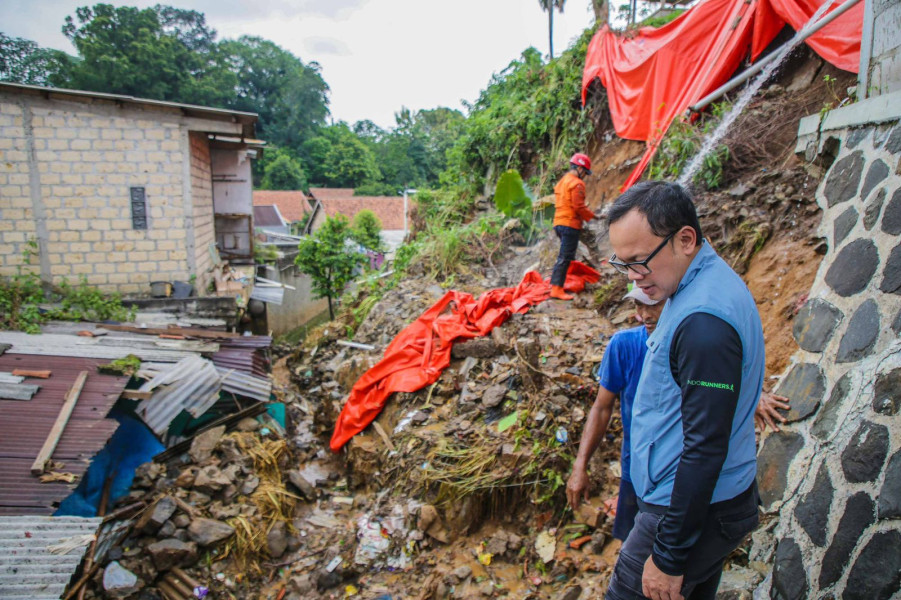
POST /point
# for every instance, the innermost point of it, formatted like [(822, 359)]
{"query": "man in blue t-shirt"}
[(619, 374)]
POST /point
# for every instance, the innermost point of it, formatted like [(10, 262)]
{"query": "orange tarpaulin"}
[(655, 75), (419, 353)]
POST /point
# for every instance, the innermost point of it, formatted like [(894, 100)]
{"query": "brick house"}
[(389, 210), (122, 190)]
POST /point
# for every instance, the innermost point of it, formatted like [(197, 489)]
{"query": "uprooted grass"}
[(271, 500), (495, 470)]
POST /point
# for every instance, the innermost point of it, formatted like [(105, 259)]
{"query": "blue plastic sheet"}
[(132, 445)]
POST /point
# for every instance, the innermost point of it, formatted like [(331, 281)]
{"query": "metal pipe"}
[(759, 65)]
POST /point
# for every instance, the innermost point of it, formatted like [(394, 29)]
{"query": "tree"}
[(328, 261), (290, 97), (283, 172), (23, 61), (348, 162), (549, 6), (162, 52), (365, 230)]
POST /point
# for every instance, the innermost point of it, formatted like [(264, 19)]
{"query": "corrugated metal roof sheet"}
[(34, 561), (272, 295), (236, 382), (242, 359), (51, 344), (24, 426), (192, 384)]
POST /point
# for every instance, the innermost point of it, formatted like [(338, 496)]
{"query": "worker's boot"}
[(558, 293)]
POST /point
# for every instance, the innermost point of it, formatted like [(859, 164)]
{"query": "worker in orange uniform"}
[(570, 211)]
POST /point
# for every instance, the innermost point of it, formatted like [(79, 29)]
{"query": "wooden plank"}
[(61, 420), (136, 395), (31, 373), (18, 391)]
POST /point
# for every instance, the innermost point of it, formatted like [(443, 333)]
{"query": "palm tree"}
[(549, 6)]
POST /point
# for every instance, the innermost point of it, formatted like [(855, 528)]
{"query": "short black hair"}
[(668, 207)]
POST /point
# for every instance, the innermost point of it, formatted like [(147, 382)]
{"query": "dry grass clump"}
[(272, 500)]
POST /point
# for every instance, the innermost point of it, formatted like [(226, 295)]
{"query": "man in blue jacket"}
[(693, 448)]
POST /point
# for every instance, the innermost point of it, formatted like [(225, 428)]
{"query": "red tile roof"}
[(292, 204), (389, 209)]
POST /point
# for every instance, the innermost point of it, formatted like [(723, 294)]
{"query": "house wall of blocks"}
[(117, 194)]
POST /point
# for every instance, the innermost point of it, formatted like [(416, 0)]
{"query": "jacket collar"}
[(701, 260)]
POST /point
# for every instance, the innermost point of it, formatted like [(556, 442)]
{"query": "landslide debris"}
[(456, 490)]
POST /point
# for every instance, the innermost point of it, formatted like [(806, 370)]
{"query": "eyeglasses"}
[(640, 267)]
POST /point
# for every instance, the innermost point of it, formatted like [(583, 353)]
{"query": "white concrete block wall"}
[(66, 169)]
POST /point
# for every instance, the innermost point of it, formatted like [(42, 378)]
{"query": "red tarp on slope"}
[(419, 353), (655, 75)]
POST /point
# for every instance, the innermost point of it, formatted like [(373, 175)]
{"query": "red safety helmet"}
[(581, 160)]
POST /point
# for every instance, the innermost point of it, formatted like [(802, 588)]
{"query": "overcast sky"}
[(376, 55)]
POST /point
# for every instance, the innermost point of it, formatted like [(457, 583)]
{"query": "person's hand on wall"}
[(767, 412)]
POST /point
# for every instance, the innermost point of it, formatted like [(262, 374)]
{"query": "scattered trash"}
[(546, 546), (372, 542), (200, 592), (333, 564), (507, 422), (561, 435)]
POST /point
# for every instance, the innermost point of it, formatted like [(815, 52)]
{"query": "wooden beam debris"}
[(61, 420), (32, 373)]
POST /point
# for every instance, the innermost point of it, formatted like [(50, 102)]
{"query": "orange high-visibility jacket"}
[(569, 202)]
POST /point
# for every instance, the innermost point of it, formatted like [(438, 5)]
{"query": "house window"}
[(138, 208)]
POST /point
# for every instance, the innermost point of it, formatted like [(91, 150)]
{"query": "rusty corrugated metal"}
[(39, 555), (249, 354), (24, 426)]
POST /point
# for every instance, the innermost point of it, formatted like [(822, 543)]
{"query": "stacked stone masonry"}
[(66, 170), (832, 479)]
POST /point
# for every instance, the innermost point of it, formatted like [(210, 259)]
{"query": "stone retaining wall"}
[(831, 480)]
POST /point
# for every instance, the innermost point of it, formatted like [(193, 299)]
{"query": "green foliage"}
[(682, 141), (162, 52), (338, 158), (86, 303), (283, 172), (529, 118), (441, 208), (264, 254), (22, 294), (447, 250), (365, 230), (290, 97), (23, 61), (374, 188), (513, 198), (121, 366), (661, 20), (326, 258)]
